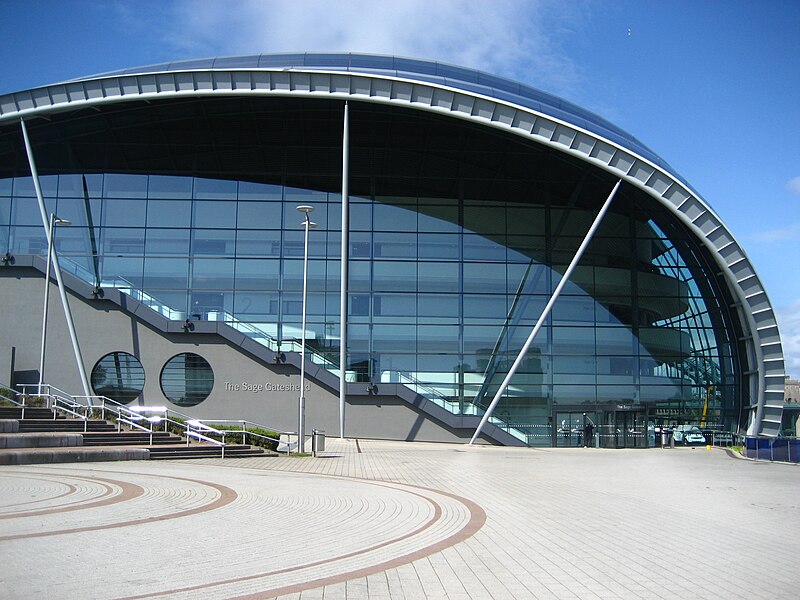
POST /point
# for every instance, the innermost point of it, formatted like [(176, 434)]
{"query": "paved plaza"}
[(387, 520)]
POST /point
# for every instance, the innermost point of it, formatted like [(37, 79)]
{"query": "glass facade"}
[(458, 236)]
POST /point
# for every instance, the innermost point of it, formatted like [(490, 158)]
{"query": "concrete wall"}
[(244, 386)]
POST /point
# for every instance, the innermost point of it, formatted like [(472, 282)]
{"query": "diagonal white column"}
[(61, 289), (546, 311)]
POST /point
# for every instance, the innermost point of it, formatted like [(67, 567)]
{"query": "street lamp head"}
[(305, 208), (58, 221)]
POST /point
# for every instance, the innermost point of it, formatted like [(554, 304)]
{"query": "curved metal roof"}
[(464, 94), (469, 80)]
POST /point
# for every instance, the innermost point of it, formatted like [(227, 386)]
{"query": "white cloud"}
[(516, 38), (788, 233), (793, 185), (789, 325)]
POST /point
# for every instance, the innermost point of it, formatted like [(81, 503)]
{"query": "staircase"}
[(40, 437)]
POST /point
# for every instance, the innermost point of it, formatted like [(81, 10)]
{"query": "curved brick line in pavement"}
[(129, 492), (226, 496), (477, 518), (71, 489)]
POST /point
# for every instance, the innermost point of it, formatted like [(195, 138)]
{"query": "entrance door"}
[(624, 429), (569, 427)]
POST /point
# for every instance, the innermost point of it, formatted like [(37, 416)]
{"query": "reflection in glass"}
[(187, 379), (119, 376)]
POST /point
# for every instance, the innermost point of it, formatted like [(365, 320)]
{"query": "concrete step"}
[(130, 438), (29, 413), (204, 451), (31, 456), (76, 425), (47, 439)]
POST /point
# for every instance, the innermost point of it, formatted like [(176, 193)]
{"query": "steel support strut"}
[(61, 289), (564, 279)]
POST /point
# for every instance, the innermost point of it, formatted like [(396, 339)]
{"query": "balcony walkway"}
[(383, 520)]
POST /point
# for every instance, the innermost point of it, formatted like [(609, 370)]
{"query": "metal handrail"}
[(21, 403), (192, 428), (245, 432)]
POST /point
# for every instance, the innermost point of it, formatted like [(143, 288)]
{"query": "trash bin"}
[(666, 438), (317, 441)]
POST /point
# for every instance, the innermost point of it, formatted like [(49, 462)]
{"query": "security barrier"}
[(779, 449)]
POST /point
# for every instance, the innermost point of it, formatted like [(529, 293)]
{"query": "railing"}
[(244, 431), (58, 401), (147, 418), (777, 449), (188, 426), (14, 397)]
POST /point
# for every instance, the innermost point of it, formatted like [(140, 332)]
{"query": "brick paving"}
[(391, 520)]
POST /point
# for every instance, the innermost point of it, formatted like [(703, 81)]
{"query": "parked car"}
[(688, 434)]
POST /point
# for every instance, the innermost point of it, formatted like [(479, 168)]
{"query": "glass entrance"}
[(624, 429), (574, 429)]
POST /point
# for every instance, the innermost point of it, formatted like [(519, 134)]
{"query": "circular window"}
[(119, 376), (187, 379)]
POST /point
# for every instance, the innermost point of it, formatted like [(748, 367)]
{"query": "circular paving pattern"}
[(232, 533)]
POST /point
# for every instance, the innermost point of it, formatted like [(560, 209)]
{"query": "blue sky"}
[(711, 86)]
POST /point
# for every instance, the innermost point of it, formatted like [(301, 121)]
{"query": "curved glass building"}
[(466, 198)]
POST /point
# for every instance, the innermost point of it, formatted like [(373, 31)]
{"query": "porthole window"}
[(119, 376), (187, 379)]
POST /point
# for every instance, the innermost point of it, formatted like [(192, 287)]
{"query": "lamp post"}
[(301, 419), (54, 220)]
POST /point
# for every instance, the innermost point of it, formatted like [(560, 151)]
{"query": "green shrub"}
[(234, 435)]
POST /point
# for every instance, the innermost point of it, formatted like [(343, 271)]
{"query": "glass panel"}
[(259, 215), (169, 213), (164, 186), (395, 276), (438, 277), (166, 273), (254, 274), (219, 214), (435, 218), (74, 210), (212, 273), (167, 242), (71, 186), (258, 243), (118, 185), (259, 191), (477, 247), (124, 213), (438, 308), (213, 242), (25, 211), (487, 278), (390, 245), (121, 241), (484, 218), (394, 218), (214, 189), (438, 246)]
